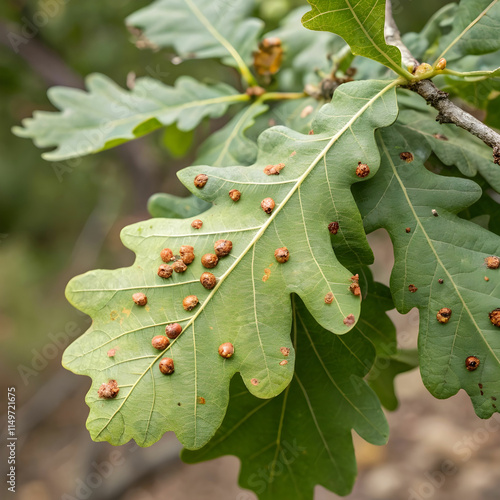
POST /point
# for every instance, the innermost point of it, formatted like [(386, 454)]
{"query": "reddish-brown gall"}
[(165, 271), (412, 288), (329, 298), (274, 169), (226, 350), (167, 255), (140, 299), (234, 194), (285, 351), (282, 255), (267, 205), (223, 247), (440, 281), (492, 262), (254, 381), (111, 353), (349, 320), (200, 180), (109, 390), (160, 342), (355, 289), (284, 362), (444, 315), (408, 229), (173, 330), (209, 260), (362, 170), (179, 266), (190, 302), (495, 317), (407, 157), (167, 366), (441, 64), (333, 227), (187, 254), (472, 363), (196, 224), (208, 280)]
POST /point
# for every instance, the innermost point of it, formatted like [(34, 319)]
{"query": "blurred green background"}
[(59, 220)]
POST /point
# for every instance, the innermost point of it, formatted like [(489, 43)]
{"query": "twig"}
[(393, 37), (448, 112)]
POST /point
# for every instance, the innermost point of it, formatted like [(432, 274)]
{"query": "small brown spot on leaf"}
[(113, 315), (440, 281), (472, 363), (492, 262), (196, 224), (408, 229), (267, 204), (282, 255), (108, 390), (267, 274), (362, 170), (441, 137), (329, 297), (480, 386), (349, 320), (495, 317), (444, 315), (434, 212), (201, 401), (333, 227), (306, 111), (111, 353), (486, 278), (406, 156), (482, 393), (494, 398), (412, 288), (200, 180), (311, 132), (140, 299), (254, 381), (285, 351), (235, 195), (293, 153), (274, 169), (284, 362)]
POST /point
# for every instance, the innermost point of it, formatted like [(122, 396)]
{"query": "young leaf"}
[(202, 28), (176, 207), (107, 115), (431, 244), (250, 304), (474, 30), (451, 144), (289, 444), (361, 24)]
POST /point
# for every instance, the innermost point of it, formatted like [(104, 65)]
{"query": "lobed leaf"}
[(107, 115), (438, 246), (360, 23), (250, 305), (302, 438)]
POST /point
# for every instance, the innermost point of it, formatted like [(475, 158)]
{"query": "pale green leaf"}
[(250, 305), (302, 438), (360, 23), (107, 115), (474, 31), (439, 246), (176, 207)]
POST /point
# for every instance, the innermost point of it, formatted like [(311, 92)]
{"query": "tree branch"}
[(448, 112)]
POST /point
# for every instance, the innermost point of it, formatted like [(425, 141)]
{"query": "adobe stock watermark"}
[(95, 138), (48, 10), (463, 450), (100, 471), (41, 357)]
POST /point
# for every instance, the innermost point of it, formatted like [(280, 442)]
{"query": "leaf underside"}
[(438, 246), (302, 438), (250, 306)]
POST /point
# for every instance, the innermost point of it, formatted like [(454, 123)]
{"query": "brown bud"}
[(173, 330), (412, 288), (167, 366), (441, 64), (406, 156), (495, 317), (492, 262), (444, 315), (274, 169), (179, 266), (329, 298), (165, 271), (234, 194), (166, 255), (190, 302), (472, 363), (160, 342), (208, 280), (109, 390), (282, 255), (200, 180), (196, 224), (362, 170), (223, 247), (140, 299), (226, 350), (333, 227), (209, 260), (268, 205)]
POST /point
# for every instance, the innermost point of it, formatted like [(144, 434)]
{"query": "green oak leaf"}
[(176, 207), (474, 30), (361, 24), (302, 438), (107, 115), (201, 28), (438, 246), (250, 305), (451, 144)]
